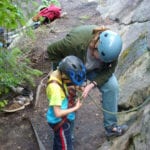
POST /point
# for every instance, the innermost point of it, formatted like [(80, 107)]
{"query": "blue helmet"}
[(109, 46), (74, 68)]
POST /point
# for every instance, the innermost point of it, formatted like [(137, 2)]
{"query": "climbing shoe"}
[(116, 130)]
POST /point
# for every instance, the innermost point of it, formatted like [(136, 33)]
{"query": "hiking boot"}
[(24, 100), (26, 92), (18, 103), (13, 107), (116, 130)]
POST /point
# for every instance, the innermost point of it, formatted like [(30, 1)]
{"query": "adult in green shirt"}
[(98, 48)]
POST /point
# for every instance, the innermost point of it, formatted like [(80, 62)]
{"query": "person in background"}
[(61, 112), (2, 38), (99, 49)]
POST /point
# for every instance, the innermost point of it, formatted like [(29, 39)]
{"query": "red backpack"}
[(52, 12)]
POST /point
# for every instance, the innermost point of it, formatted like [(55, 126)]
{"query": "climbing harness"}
[(71, 96)]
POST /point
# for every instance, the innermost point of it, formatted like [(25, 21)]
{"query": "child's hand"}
[(78, 104)]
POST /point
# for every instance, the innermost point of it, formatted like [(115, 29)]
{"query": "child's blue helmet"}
[(74, 68), (109, 46)]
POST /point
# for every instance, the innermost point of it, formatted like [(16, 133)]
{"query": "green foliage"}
[(3, 103), (45, 2), (86, 17), (15, 69), (54, 2), (125, 54), (11, 15), (14, 65)]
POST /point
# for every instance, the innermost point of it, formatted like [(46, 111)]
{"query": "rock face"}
[(132, 21)]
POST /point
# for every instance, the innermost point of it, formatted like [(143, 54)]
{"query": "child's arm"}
[(60, 113)]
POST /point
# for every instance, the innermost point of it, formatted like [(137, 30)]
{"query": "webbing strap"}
[(55, 81), (64, 119)]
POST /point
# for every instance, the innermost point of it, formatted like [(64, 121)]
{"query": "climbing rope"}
[(115, 113), (123, 112)]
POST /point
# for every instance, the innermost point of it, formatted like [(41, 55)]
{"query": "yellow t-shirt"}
[(55, 93), (56, 97)]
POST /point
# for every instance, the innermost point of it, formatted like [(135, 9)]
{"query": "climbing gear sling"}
[(70, 96)]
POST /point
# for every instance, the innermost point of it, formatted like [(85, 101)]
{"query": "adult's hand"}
[(87, 89)]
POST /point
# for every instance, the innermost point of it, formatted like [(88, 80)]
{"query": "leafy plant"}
[(14, 65), (15, 70), (11, 15)]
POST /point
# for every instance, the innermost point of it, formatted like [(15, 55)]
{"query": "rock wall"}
[(132, 20)]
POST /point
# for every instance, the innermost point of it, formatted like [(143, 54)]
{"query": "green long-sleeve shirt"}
[(76, 43)]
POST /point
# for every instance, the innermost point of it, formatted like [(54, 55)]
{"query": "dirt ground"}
[(27, 129)]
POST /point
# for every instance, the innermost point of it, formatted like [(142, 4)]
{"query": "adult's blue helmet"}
[(109, 46), (74, 69)]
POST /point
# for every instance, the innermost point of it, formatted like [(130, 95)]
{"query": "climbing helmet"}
[(74, 69), (109, 46)]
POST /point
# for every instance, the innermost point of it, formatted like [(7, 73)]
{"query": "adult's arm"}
[(75, 43), (105, 73)]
